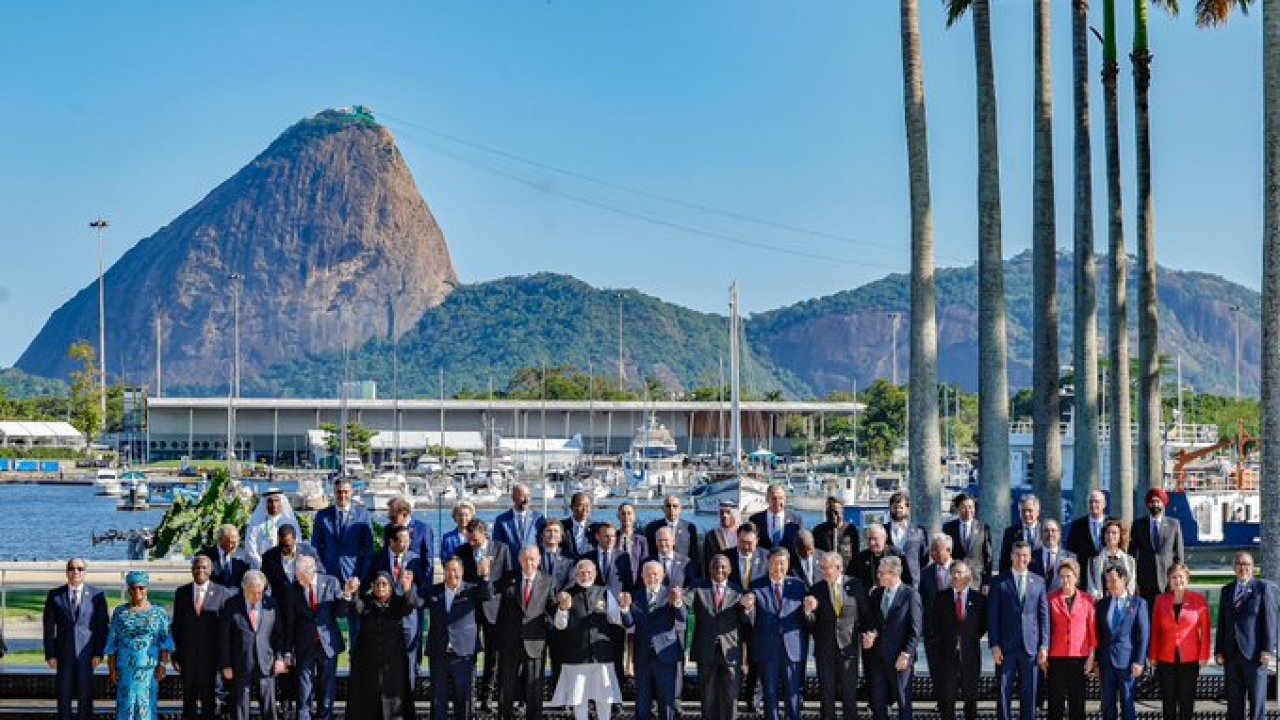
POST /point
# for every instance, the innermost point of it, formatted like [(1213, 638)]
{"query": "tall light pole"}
[(1235, 310), (100, 225), (236, 279)]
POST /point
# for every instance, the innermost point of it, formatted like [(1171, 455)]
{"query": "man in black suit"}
[(556, 562), (75, 636), (252, 649), (748, 562), (229, 560), (197, 612), (955, 629), (579, 531), (679, 570), (837, 622), (315, 603), (970, 539), (910, 540), (724, 537), (613, 567), (777, 525), (1155, 543), (481, 549), (836, 535), (895, 628), (685, 533), (866, 566), (1084, 534), (717, 642), (279, 562), (1027, 531), (1245, 643), (805, 559), (934, 578), (1050, 556), (454, 638), (526, 600)]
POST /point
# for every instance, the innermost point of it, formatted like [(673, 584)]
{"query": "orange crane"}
[(1242, 442)]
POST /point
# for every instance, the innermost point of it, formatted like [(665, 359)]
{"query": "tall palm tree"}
[(926, 445), (1121, 480), (1046, 440), (993, 362), (1085, 325), (1150, 466)]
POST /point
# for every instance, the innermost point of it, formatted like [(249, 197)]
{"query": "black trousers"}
[(838, 683), (718, 685), (1178, 689), (956, 678), (242, 686), (198, 700), (488, 689), (521, 679), (1066, 685)]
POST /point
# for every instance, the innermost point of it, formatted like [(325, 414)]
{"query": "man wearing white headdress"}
[(272, 512)]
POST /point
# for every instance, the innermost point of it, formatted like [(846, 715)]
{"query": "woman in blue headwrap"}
[(138, 647)]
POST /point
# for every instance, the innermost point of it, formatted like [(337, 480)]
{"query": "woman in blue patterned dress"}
[(138, 647)]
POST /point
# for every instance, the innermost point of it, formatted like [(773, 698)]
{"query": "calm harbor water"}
[(50, 522)]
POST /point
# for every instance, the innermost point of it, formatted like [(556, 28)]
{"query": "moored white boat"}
[(106, 482)]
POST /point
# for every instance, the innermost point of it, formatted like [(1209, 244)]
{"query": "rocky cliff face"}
[(333, 240)]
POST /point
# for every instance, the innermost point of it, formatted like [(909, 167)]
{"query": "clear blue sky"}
[(789, 113)]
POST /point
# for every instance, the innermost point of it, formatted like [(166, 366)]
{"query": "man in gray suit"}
[(717, 642), (1155, 543), (253, 647), (837, 622)]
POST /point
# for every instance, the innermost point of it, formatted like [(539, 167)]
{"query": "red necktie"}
[(315, 601), (253, 619), (397, 568), (719, 598), (528, 591), (199, 601), (960, 607)]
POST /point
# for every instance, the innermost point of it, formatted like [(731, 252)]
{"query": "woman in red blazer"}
[(1072, 640), (1180, 643)]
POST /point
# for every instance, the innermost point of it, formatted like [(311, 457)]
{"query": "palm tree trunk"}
[(1121, 477), (1047, 442), (1085, 325), (993, 362), (926, 446), (1149, 463), (1270, 485)]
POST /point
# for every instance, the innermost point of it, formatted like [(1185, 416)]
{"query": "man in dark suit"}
[(520, 525), (806, 561), (717, 642), (229, 560), (613, 567), (75, 636), (314, 605), (343, 538), (421, 539), (837, 623), (970, 539), (777, 525), (724, 537), (398, 561), (657, 618), (1018, 623), (934, 578), (252, 650), (579, 531), (278, 562), (748, 562), (1027, 531), (1046, 560), (955, 629), (776, 611), (1155, 543), (1245, 644), (454, 635), (836, 535), (526, 600), (896, 620), (1124, 636), (910, 540), (555, 561), (678, 570), (478, 550), (197, 612), (684, 533), (1084, 535), (866, 565)]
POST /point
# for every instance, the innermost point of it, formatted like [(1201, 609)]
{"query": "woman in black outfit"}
[(379, 685)]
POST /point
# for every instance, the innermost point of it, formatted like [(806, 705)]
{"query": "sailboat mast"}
[(735, 379)]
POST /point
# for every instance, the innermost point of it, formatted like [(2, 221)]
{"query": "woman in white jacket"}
[(1113, 540)]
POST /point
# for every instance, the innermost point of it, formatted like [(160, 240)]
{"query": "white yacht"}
[(106, 482)]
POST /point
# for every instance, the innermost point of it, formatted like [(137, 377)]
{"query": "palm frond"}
[(1169, 6), (956, 10), (1214, 13)]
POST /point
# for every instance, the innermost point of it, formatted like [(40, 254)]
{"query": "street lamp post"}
[(1235, 310), (236, 279), (101, 225)]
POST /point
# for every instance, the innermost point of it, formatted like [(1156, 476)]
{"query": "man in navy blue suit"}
[(777, 526), (521, 525), (454, 637), (279, 562), (343, 537), (1246, 639), (1047, 558), (421, 542), (895, 627), (657, 617), (911, 541), (314, 604), (397, 560), (75, 636), (230, 561), (1018, 631), (1124, 636), (776, 611)]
